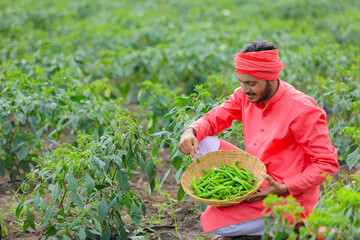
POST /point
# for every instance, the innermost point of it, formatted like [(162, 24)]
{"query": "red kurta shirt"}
[(289, 135)]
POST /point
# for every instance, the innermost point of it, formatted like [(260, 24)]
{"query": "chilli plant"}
[(35, 112), (336, 216), (341, 96), (89, 185), (185, 110), (354, 157)]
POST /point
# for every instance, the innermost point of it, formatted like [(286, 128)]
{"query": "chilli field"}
[(96, 94)]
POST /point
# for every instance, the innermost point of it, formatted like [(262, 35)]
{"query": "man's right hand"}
[(189, 144)]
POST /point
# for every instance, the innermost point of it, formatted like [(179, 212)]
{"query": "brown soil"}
[(161, 217)]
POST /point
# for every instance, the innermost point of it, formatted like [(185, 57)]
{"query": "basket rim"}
[(226, 202)]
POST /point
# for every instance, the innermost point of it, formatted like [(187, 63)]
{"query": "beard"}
[(264, 94)]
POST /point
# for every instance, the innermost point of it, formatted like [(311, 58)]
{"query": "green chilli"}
[(225, 182)]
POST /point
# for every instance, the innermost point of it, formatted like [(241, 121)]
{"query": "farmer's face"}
[(256, 90)]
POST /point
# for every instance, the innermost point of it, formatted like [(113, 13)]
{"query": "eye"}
[(251, 84)]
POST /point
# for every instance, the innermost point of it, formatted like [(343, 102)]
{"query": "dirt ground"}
[(159, 224)]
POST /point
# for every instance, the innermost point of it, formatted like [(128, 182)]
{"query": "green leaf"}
[(151, 169), (344, 105), (180, 193), (51, 230), (82, 234), (23, 153), (103, 209), (36, 201), (151, 172), (16, 147), (124, 89), (141, 162), (200, 108), (74, 223), (66, 237), (100, 187), (28, 108), (90, 184), (20, 116), (165, 177), (34, 122), (47, 112), (122, 231), (55, 192), (50, 212), (77, 199), (117, 160), (77, 98), (143, 207), (75, 121), (117, 201), (176, 159), (353, 158), (30, 218), (18, 210), (97, 226), (110, 146), (72, 182), (6, 126), (2, 167), (106, 233), (179, 174), (95, 232), (182, 100), (20, 139), (98, 164), (42, 204), (154, 152), (24, 165), (130, 157), (95, 134), (135, 214), (122, 179)]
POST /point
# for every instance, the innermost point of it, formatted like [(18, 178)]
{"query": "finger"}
[(268, 178), (192, 153), (252, 197), (257, 196), (185, 147), (196, 146), (182, 149)]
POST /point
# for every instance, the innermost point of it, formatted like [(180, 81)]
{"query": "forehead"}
[(247, 78)]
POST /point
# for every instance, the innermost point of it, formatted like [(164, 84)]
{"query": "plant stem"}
[(62, 199)]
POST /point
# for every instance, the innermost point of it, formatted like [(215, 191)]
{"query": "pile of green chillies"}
[(226, 182)]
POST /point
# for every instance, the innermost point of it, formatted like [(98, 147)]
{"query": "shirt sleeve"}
[(221, 117), (311, 133)]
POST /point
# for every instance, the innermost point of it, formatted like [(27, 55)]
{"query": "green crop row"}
[(129, 42), (38, 114), (89, 185)]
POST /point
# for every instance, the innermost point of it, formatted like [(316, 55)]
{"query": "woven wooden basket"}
[(228, 157)]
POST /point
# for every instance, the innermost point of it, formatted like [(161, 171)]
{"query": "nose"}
[(245, 88)]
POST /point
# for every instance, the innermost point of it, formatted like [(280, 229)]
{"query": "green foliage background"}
[(175, 42)]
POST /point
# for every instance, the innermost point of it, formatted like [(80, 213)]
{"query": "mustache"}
[(251, 94)]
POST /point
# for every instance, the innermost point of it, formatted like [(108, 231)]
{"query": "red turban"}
[(264, 65)]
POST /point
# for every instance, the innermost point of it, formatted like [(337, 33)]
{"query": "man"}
[(283, 127)]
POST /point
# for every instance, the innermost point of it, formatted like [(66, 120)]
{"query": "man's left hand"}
[(272, 188)]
